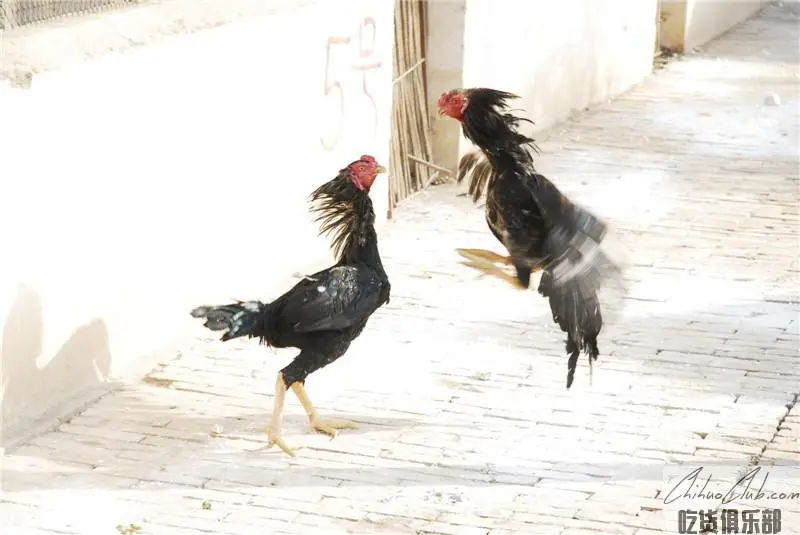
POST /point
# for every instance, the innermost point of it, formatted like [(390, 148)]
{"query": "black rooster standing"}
[(539, 226), (322, 314)]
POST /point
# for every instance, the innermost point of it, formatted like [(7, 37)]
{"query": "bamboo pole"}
[(411, 148)]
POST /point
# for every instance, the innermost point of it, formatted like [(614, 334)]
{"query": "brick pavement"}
[(466, 427)]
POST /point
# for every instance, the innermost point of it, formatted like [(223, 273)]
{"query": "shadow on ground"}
[(179, 446)]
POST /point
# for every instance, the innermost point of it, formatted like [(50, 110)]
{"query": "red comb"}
[(368, 158), (443, 98)]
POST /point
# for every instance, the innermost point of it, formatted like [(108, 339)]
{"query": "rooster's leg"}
[(480, 263), (329, 428), (482, 256), (487, 261), (274, 429)]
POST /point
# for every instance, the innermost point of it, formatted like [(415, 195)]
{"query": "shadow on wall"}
[(28, 390)]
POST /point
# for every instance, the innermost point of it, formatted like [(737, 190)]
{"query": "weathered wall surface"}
[(445, 70), (706, 19), (691, 23), (136, 185), (559, 56)]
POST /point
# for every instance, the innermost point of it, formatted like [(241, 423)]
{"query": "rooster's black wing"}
[(574, 235), (333, 299)]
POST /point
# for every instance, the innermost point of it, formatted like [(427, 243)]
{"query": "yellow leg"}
[(487, 261), (329, 428), (481, 262), (482, 255), (274, 429)]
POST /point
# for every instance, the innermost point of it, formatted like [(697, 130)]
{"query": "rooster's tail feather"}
[(242, 318), (576, 310)]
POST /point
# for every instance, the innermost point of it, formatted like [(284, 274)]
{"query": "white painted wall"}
[(445, 71), (559, 56), (692, 23), (707, 19), (136, 185)]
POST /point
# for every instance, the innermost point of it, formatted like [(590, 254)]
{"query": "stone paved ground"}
[(459, 383)]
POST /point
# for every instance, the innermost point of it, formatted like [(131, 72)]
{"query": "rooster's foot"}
[(494, 271), (331, 427), (328, 428), (498, 273), (275, 439), (274, 429), (484, 257)]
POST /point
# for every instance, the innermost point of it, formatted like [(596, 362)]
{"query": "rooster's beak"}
[(380, 169)]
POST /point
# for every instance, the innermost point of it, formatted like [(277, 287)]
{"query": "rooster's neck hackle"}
[(345, 213), (495, 131), (492, 128)]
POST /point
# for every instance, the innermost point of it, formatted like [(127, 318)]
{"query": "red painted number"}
[(365, 63), (366, 51), (331, 86)]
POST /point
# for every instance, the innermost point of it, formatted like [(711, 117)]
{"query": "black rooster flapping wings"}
[(540, 228)]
